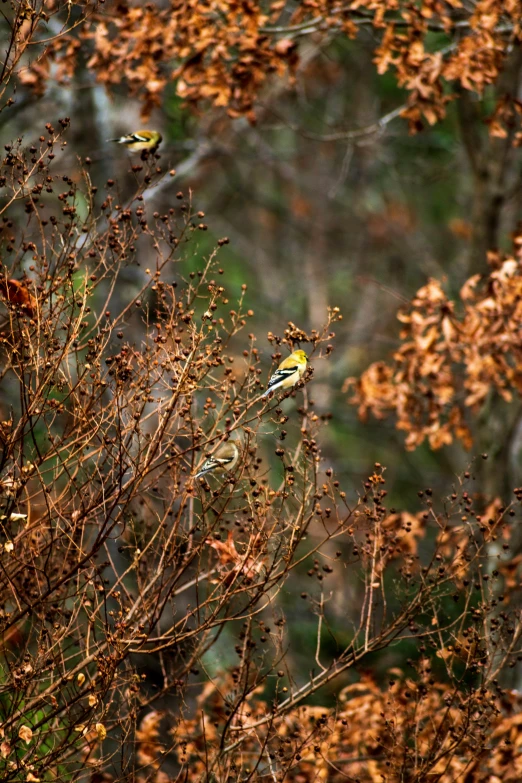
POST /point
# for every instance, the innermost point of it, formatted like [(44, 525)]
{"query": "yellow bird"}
[(289, 372), (224, 458), (140, 140)]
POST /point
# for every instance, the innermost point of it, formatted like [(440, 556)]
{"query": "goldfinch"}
[(140, 140), (224, 458), (289, 372)]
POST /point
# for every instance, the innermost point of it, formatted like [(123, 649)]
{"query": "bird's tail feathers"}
[(274, 387)]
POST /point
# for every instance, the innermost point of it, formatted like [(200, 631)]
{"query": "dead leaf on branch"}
[(248, 566), (25, 733)]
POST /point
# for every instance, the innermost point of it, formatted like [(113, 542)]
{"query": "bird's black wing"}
[(214, 462), (281, 375)]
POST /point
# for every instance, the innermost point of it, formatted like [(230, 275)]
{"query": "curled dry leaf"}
[(101, 731), (25, 734)]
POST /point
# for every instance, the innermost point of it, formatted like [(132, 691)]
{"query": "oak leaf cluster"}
[(453, 354), (224, 52)]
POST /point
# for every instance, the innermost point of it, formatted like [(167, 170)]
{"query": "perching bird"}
[(224, 458), (289, 372), (140, 140)]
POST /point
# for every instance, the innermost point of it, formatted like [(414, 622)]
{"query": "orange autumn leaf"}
[(226, 549), (248, 565), (18, 294)]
